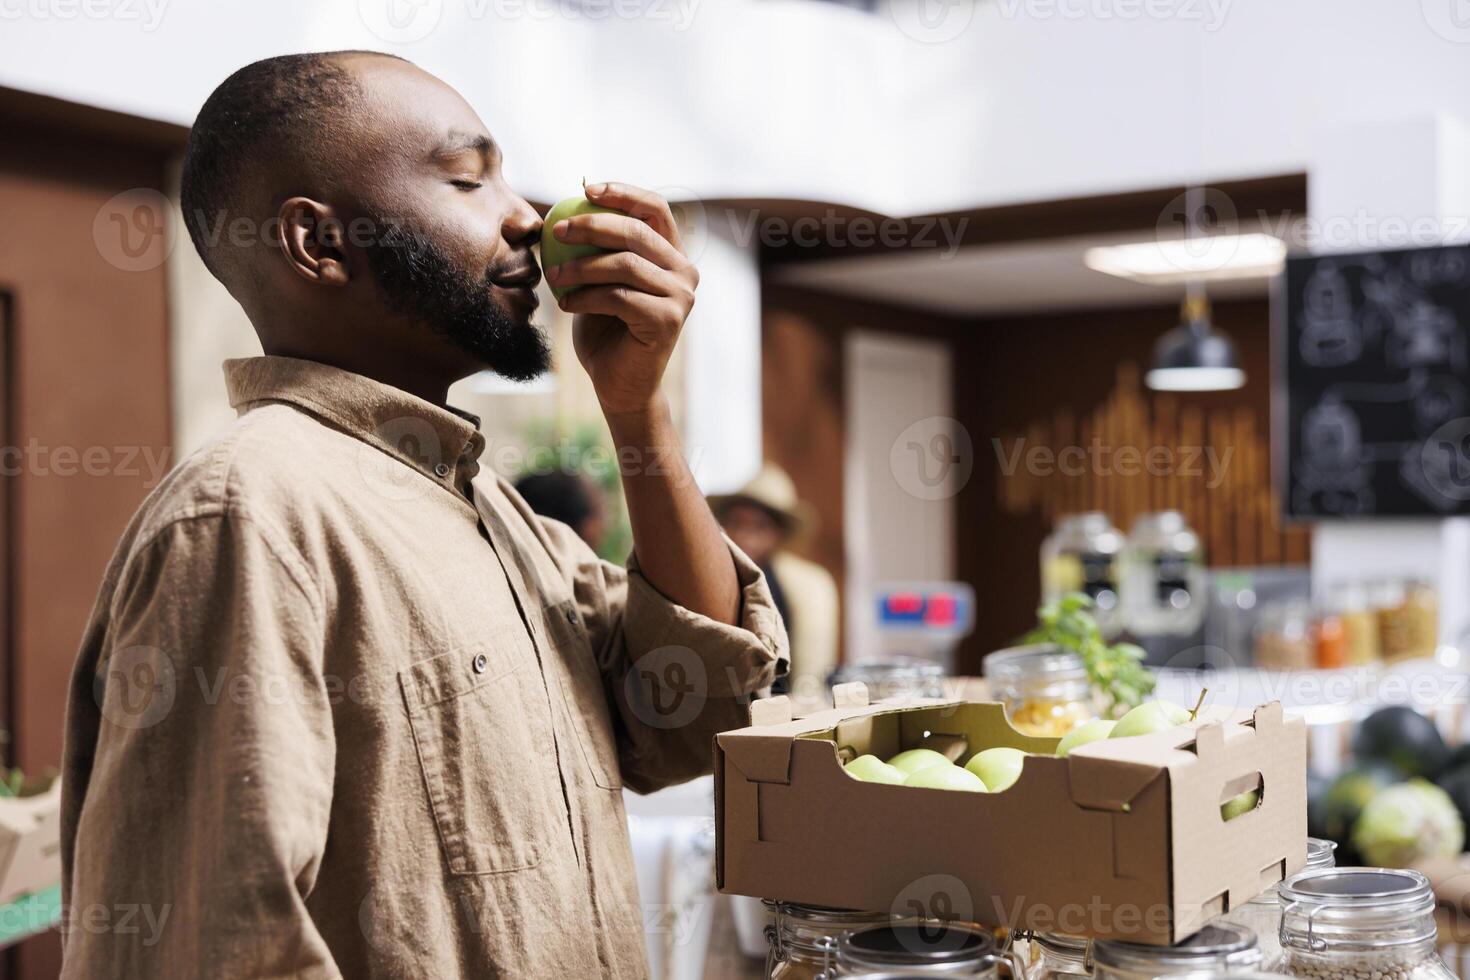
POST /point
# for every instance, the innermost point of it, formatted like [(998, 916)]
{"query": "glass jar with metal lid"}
[(1163, 576), (1360, 922), (802, 939), (1262, 914), (1053, 956), (1044, 688), (923, 948), (1218, 946), (1081, 555)]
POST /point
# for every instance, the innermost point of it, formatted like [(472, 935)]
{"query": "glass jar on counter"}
[(1262, 914), (1082, 555), (1347, 923), (1408, 621), (1163, 576), (802, 939), (1359, 623), (1284, 638), (927, 949), (1218, 946), (1053, 956), (1044, 688)]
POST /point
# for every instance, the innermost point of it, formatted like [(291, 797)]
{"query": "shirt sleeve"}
[(675, 678), (208, 788)]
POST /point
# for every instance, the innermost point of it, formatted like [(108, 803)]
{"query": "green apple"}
[(1150, 717), (871, 769), (1088, 731), (1236, 805), (947, 776), (554, 251), (997, 768), (913, 760)]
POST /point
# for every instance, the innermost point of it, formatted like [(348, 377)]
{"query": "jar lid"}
[(1320, 853), (822, 915), (1036, 660), (924, 944), (1220, 943), (1357, 907)]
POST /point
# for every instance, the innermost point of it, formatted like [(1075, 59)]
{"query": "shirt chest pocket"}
[(483, 740), (585, 692)]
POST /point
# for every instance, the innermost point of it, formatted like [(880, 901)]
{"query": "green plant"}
[(1116, 671)]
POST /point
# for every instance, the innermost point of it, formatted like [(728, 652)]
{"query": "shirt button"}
[(442, 469), (572, 616), (480, 663)]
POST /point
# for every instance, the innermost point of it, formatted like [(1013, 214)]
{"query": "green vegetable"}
[(1115, 671)]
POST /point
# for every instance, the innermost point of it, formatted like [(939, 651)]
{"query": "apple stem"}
[(1199, 704)]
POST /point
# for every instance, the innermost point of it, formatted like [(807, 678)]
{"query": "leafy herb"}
[(1115, 671)]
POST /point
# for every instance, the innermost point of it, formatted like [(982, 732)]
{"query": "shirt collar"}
[(442, 443)]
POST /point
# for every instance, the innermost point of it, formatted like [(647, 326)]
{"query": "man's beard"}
[(421, 281)]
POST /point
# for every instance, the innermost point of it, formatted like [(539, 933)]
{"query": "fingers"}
[(617, 268), (617, 233), (650, 319), (641, 204)]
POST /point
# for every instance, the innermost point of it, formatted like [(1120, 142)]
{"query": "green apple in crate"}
[(554, 251), (912, 760), (998, 768), (1089, 731), (1238, 805), (871, 769), (947, 776), (1150, 717)]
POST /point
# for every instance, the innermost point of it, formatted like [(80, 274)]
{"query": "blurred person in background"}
[(569, 497), (346, 707), (764, 519)]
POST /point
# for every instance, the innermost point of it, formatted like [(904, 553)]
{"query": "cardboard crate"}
[(1121, 840)]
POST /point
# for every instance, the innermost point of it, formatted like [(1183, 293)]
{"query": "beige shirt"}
[(333, 719)]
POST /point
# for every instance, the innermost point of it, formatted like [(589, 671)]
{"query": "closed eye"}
[(467, 185)]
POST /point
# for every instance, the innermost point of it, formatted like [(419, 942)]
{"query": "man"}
[(567, 496), (346, 708), (764, 518)]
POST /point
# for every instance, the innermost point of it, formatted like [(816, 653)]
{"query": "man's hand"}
[(634, 297)]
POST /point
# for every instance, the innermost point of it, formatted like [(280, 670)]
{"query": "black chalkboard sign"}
[(1373, 384)]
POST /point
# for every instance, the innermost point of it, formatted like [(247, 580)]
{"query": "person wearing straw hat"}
[(765, 518)]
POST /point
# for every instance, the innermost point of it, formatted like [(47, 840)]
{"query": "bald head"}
[(279, 114)]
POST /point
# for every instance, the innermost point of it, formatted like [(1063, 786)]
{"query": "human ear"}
[(312, 241)]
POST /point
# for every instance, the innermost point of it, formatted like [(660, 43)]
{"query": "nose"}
[(522, 227)]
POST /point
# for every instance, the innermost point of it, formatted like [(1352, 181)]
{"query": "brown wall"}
[(1013, 378), (87, 366)]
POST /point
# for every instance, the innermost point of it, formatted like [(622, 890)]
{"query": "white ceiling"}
[(996, 280)]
